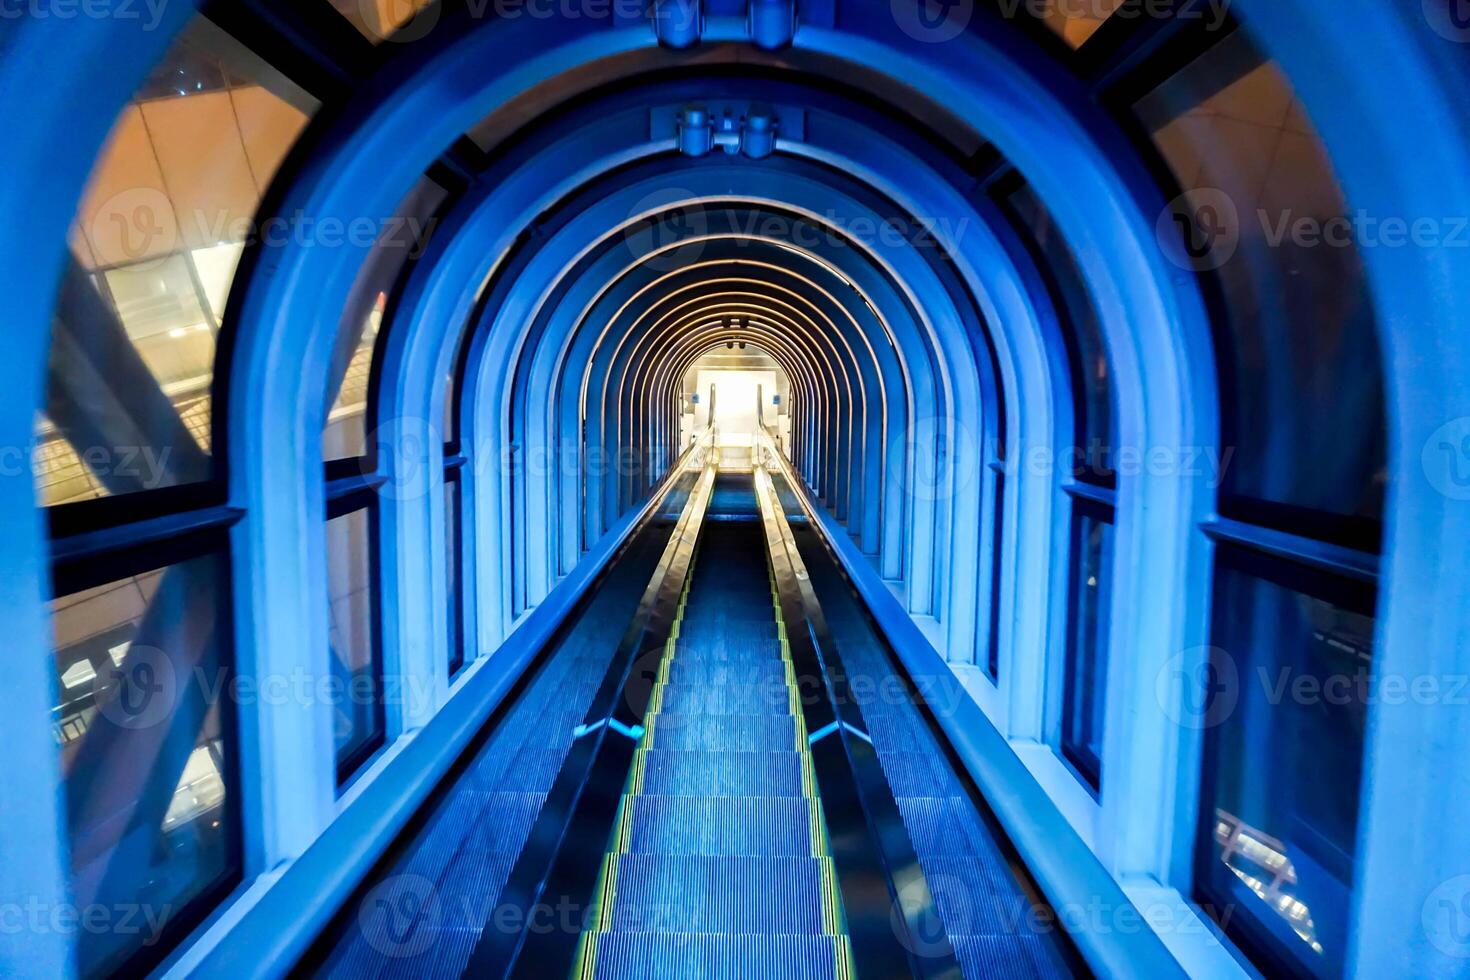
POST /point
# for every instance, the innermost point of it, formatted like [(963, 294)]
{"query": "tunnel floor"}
[(719, 863)]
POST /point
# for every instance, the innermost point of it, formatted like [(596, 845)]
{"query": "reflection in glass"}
[(1302, 392), (1083, 708), (454, 552), (1096, 429), (147, 745), (379, 20), (153, 251), (399, 240), (1279, 797), (357, 668)]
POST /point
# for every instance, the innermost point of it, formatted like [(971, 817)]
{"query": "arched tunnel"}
[(718, 488)]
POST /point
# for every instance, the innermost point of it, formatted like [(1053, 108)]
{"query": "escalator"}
[(727, 791), (720, 864)]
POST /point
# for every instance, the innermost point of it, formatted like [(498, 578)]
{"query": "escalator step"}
[(634, 956), (750, 650), (727, 895), (733, 699), (945, 827), (668, 773), (978, 897), (919, 774), (1008, 957), (517, 769), (726, 733), (760, 826), (696, 671)]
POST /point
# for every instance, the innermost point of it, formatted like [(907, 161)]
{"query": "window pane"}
[(357, 336), (1301, 379), (1279, 797), (153, 252), (356, 662), (1087, 648), (1074, 21), (454, 554), (1096, 432), (380, 19), (992, 659), (147, 753)]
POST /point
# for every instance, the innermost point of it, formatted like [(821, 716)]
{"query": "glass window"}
[(1301, 379), (1085, 694), (1096, 432), (153, 252), (1292, 657), (147, 746), (399, 240), (454, 553), (992, 658), (357, 666), (1074, 21), (379, 20)]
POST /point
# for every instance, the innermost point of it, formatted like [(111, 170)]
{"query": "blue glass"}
[(1300, 368), (454, 552), (1096, 428), (1289, 685), (147, 738), (1084, 705), (357, 667)]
